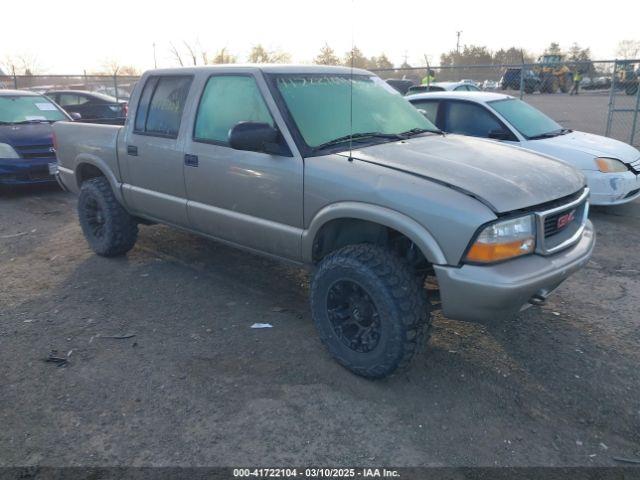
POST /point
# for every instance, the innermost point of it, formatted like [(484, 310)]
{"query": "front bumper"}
[(612, 188), (15, 171), (481, 292)]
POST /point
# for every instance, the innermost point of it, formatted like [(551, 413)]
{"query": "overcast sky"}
[(72, 36)]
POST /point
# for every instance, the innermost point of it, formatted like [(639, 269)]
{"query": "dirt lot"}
[(560, 385)]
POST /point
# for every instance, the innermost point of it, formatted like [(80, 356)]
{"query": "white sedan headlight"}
[(7, 151), (610, 165)]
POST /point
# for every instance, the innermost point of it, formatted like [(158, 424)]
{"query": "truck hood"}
[(505, 178), (26, 135), (566, 146)]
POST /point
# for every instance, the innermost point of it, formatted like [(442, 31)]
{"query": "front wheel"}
[(370, 309), (107, 226)]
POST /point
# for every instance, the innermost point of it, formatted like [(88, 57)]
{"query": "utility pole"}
[(458, 42), (155, 62)]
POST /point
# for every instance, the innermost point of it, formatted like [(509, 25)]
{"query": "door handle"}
[(190, 160), (132, 150)]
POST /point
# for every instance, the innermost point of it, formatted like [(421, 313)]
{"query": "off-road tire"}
[(631, 89), (118, 232), (401, 302)]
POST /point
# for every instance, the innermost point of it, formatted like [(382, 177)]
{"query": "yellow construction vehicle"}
[(554, 74)]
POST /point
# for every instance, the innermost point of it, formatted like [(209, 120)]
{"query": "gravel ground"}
[(559, 385)]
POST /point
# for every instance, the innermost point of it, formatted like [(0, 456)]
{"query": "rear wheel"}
[(107, 226), (631, 89), (370, 309)]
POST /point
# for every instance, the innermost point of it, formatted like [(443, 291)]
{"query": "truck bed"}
[(83, 142)]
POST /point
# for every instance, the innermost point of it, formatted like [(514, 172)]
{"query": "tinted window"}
[(143, 103), (226, 101), (166, 106), (69, 99), (428, 108), (470, 119), (461, 88)]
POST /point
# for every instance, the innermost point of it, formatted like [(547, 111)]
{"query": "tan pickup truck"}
[(330, 168)]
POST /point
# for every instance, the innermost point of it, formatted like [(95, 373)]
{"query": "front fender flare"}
[(418, 234)]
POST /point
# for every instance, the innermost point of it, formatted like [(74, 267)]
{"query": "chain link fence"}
[(607, 102), (117, 86)]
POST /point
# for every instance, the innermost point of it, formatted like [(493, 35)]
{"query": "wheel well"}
[(85, 171), (341, 232)]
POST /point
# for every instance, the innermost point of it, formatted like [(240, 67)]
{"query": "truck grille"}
[(561, 226), (635, 166), (36, 151)]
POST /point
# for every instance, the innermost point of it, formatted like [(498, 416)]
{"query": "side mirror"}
[(499, 134), (255, 137), (75, 115)]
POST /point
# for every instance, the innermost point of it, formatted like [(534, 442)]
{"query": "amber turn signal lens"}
[(494, 252)]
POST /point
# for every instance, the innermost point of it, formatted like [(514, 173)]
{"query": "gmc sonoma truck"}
[(331, 168)]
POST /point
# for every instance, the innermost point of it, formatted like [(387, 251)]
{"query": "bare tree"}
[(192, 52), (176, 54), (22, 64), (628, 49)]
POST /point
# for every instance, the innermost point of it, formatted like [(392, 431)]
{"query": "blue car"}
[(26, 137)]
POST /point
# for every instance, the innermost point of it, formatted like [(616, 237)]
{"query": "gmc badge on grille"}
[(566, 219)]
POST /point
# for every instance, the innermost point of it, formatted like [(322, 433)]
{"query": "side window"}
[(470, 119), (428, 108), (161, 105), (226, 101), (69, 99), (461, 88)]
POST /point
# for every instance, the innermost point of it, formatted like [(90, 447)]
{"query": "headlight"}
[(503, 240), (610, 165), (7, 151)]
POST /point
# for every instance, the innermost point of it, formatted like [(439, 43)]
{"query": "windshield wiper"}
[(417, 131), (553, 133), (26, 122), (359, 136)]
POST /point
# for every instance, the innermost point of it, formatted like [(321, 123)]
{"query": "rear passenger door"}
[(152, 151), (249, 198)]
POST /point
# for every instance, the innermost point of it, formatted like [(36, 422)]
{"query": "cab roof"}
[(13, 93), (263, 67), (479, 97)]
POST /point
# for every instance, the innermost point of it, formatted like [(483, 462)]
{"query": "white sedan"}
[(612, 167)]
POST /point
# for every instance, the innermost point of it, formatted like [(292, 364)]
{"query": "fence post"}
[(522, 82), (15, 78), (635, 115), (611, 99), (115, 85)]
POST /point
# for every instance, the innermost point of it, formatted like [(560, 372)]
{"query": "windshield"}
[(327, 107), (28, 108), (529, 121)]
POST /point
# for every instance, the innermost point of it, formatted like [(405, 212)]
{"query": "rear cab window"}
[(161, 105)]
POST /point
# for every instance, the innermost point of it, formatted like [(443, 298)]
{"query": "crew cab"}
[(331, 168), (26, 146)]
